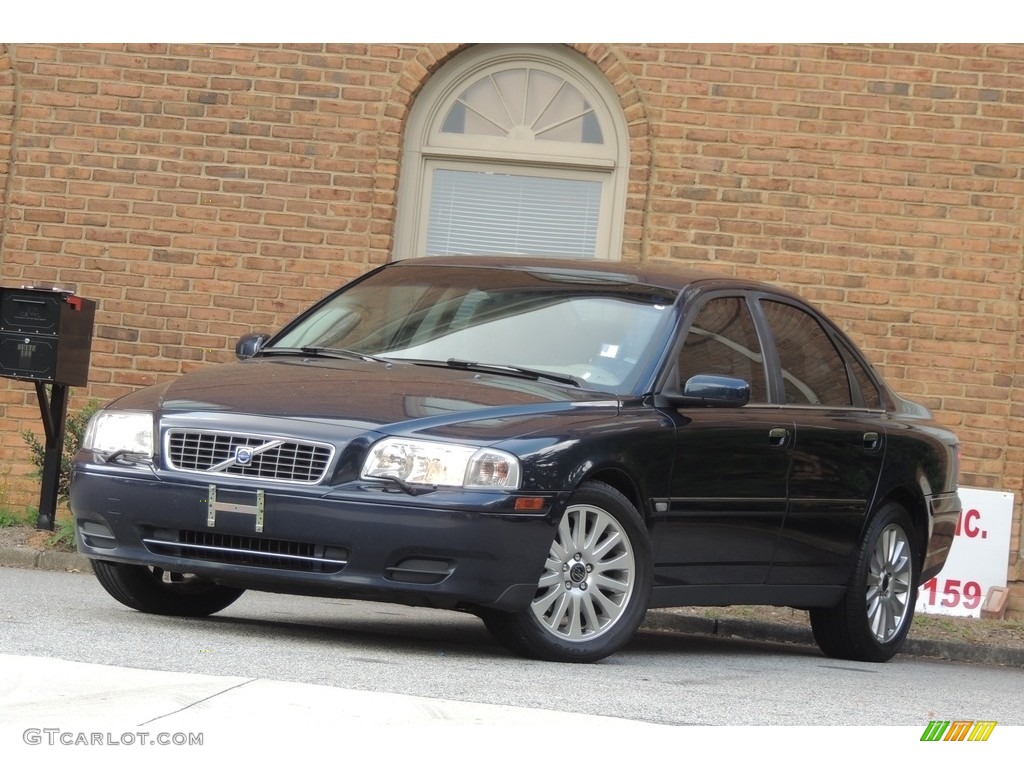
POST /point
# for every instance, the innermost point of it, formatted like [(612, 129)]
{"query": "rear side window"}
[(813, 372), (723, 341)]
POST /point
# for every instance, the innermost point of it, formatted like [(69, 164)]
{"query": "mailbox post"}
[(46, 338)]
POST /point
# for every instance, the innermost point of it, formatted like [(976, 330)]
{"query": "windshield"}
[(598, 332)]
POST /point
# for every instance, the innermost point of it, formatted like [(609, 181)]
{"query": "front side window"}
[(813, 372), (723, 341)]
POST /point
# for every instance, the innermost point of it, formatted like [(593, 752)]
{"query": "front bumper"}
[(442, 549)]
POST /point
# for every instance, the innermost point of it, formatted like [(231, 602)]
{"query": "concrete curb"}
[(44, 560), (656, 621), (659, 621), (979, 654)]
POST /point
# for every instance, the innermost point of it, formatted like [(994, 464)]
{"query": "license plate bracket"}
[(213, 506)]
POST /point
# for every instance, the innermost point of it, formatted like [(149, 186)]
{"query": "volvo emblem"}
[(243, 456)]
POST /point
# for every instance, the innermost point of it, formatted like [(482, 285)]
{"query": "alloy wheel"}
[(889, 583), (589, 576)]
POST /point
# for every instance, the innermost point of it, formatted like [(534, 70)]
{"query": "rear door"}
[(838, 448)]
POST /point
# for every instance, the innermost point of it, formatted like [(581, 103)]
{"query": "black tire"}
[(152, 590), (595, 588), (874, 616)]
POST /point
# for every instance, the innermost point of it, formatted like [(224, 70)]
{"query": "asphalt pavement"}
[(657, 621), (125, 715)]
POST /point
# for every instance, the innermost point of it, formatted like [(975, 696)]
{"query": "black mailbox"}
[(45, 335)]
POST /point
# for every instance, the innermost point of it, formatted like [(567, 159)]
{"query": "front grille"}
[(268, 458), (246, 550)]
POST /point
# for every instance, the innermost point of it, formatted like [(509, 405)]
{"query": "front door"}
[(728, 488)]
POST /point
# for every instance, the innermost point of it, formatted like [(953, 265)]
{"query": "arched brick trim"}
[(416, 73), (393, 120), (638, 124)]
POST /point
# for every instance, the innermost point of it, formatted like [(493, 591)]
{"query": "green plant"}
[(10, 518), (74, 432), (63, 537)]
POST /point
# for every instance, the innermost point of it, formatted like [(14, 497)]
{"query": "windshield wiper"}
[(342, 354), (531, 373)]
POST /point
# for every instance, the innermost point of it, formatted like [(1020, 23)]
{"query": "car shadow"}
[(355, 627), (660, 642), (404, 630)]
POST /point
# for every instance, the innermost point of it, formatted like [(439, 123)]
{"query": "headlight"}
[(125, 431), (419, 462)]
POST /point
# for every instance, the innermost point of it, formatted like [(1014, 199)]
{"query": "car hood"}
[(368, 394)]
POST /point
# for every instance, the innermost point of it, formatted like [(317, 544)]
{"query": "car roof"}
[(664, 274)]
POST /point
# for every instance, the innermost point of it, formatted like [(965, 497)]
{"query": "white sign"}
[(978, 559)]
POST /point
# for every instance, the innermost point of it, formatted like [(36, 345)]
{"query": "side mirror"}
[(249, 345), (711, 391)]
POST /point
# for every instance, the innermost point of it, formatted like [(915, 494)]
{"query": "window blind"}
[(482, 213)]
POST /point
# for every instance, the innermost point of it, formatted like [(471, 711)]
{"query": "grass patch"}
[(12, 518)]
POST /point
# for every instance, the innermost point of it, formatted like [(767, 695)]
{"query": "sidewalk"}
[(68, 713), (660, 620), (43, 692), (57, 712)]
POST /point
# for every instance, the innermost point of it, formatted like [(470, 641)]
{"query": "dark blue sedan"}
[(554, 446)]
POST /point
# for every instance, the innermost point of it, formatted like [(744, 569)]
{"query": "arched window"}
[(516, 150)]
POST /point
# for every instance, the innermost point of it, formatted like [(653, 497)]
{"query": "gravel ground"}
[(20, 536)]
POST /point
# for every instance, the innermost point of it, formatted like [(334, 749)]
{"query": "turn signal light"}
[(529, 504)]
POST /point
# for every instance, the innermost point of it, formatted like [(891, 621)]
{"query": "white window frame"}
[(427, 149)]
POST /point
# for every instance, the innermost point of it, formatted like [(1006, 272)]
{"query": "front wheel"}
[(874, 616), (595, 587), (153, 590)]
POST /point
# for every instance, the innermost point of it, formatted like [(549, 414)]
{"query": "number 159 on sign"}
[(952, 593)]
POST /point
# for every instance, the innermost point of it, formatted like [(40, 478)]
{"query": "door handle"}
[(778, 436), (872, 440)]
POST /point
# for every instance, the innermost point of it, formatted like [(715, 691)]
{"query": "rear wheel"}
[(874, 616), (596, 583), (153, 590)]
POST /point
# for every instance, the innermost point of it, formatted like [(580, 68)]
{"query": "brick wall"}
[(885, 184), (198, 192), (13, 487), (195, 192)]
